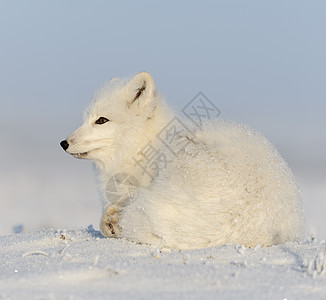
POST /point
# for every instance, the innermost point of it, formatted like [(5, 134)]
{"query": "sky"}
[(261, 62)]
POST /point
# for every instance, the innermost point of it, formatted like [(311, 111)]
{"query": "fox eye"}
[(101, 120)]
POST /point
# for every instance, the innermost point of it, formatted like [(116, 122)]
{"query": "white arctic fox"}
[(174, 185)]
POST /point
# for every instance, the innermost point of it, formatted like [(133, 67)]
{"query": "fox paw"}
[(109, 223)]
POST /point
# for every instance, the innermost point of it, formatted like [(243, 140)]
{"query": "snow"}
[(68, 263), (81, 264)]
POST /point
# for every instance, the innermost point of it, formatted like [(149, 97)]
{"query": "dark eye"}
[(101, 120)]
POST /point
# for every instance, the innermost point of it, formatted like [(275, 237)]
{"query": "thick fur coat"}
[(218, 184)]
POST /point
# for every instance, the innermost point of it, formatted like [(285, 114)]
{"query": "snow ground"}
[(81, 264)]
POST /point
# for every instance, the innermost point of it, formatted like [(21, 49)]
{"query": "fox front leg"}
[(109, 222)]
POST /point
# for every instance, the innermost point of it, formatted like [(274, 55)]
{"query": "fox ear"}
[(141, 89)]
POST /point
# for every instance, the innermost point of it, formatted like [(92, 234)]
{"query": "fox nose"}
[(64, 144)]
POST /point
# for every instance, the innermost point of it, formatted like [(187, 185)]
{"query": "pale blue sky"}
[(261, 62)]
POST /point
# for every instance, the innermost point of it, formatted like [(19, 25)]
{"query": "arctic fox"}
[(216, 184)]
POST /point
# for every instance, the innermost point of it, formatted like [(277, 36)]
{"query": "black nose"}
[(64, 144)]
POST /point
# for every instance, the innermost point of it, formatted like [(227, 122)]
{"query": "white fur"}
[(227, 185)]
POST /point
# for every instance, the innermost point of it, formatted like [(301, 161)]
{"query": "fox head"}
[(123, 116)]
